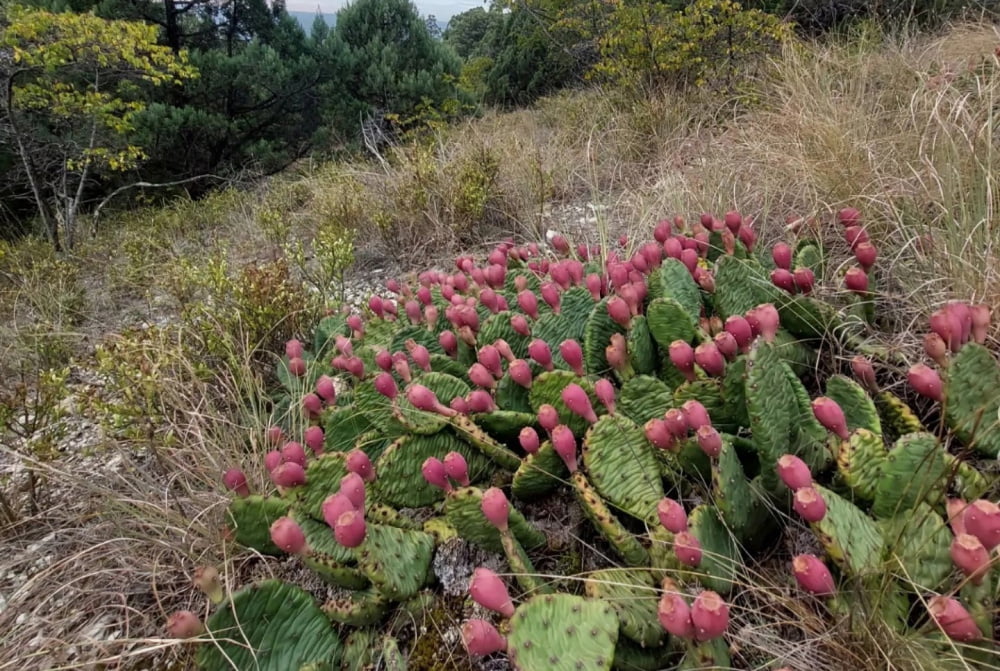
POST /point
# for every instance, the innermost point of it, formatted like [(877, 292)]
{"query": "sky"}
[(441, 9)]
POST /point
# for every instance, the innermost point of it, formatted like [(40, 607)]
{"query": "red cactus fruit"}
[(496, 508), (864, 373), (605, 392), (675, 615), (489, 591), (235, 480), (982, 520), (312, 404), (687, 548), (782, 255), (710, 616), (936, 348), (564, 444), (619, 311), (352, 486), (489, 358), (955, 509), (350, 529), (551, 296), (672, 515), (970, 556), (578, 402), (866, 254), (808, 503), (389, 307), (740, 328), (709, 440), (375, 305), (520, 325), (682, 356), (275, 435), (481, 638), (459, 405), (572, 354), (794, 472), (593, 283), (710, 359), (528, 439), (980, 322), (617, 353), (294, 349), (288, 474), (297, 366), (673, 248), (783, 279), (325, 389), (272, 460), (434, 473), (855, 235), (676, 422), (733, 220), (695, 415), (539, 351), (804, 279), (357, 461), (457, 468), (293, 452), (520, 372), (392, 285), (421, 356), (288, 536), (334, 506), (748, 236), (448, 342), (184, 624), (813, 576), (856, 280), (481, 377), (926, 382), (849, 216), (659, 435), (829, 414), (528, 302), (401, 366), (726, 344), (383, 359), (548, 417), (386, 385), (689, 257), (480, 400), (953, 619), (560, 244), (424, 399), (765, 320)]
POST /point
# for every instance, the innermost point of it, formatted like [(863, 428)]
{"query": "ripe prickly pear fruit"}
[(422, 398), (619, 311), (813, 576), (435, 474), (733, 220), (312, 404), (675, 615), (980, 322), (970, 556), (673, 248), (953, 619), (356, 324), (804, 279), (383, 359), (272, 460), (294, 349), (357, 461), (829, 414), (794, 472), (520, 372), (866, 254), (235, 480), (740, 328), (710, 616), (528, 438), (548, 417), (288, 474), (293, 451), (480, 401), (184, 624), (352, 486), (481, 638), (659, 435), (578, 402), (288, 536), (689, 257), (297, 366), (489, 358), (350, 529), (421, 356), (682, 356), (808, 503), (605, 392), (783, 279), (206, 579), (489, 591), (481, 377), (386, 385), (695, 415), (559, 243), (687, 548), (710, 359), (275, 435), (572, 354), (325, 389), (926, 382), (672, 515), (726, 344), (551, 296), (982, 520), (496, 508), (936, 349), (457, 468), (593, 282), (334, 506), (314, 439), (539, 351), (764, 320), (528, 302), (564, 444), (864, 373), (676, 422), (849, 216), (782, 255), (449, 342), (856, 280), (617, 353), (709, 440), (855, 235), (520, 325)]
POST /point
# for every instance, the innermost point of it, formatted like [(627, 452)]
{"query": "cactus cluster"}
[(668, 391)]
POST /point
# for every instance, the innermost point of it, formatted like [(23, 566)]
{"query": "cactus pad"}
[(915, 471), (972, 392), (539, 473), (597, 512), (548, 387), (562, 632), (597, 334), (668, 321), (643, 398), (733, 496), (720, 556), (622, 466), (740, 285), (673, 280), (642, 353), (251, 518), (400, 482), (851, 538), (917, 547), (395, 560), (357, 609), (463, 509), (322, 479), (860, 461), (445, 387), (859, 409), (634, 596)]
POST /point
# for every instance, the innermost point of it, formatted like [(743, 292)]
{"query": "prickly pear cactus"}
[(562, 632), (622, 467), (972, 391)]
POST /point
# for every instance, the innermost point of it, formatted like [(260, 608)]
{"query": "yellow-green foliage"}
[(707, 43)]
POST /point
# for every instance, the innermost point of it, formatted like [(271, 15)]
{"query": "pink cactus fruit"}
[(955, 509), (659, 435), (783, 279), (829, 414), (293, 451), (325, 389), (936, 349), (572, 354), (593, 283), (288, 536), (275, 435), (459, 405), (689, 257), (421, 356), (272, 460), (480, 400), (520, 325), (449, 342), (617, 352), (528, 302), (383, 359), (528, 438), (781, 253), (334, 506), (236, 481), (422, 398), (794, 472), (709, 440), (481, 377), (297, 366), (953, 619), (520, 372), (539, 351), (481, 638), (184, 624), (496, 508), (726, 344), (980, 322), (504, 350), (375, 305), (350, 529), (489, 357), (675, 615), (401, 366), (740, 328), (926, 382), (564, 444), (970, 556), (804, 279), (605, 392), (578, 402), (434, 473), (766, 320), (982, 520), (808, 503), (312, 404), (672, 515), (288, 474), (314, 439), (855, 235), (489, 591), (748, 236), (710, 616), (548, 417), (733, 220), (352, 486), (619, 311), (457, 468), (864, 372), (676, 422), (682, 356), (813, 576), (357, 461), (849, 216), (710, 359), (687, 548), (294, 349), (856, 280), (695, 415), (551, 296), (386, 385), (866, 254)]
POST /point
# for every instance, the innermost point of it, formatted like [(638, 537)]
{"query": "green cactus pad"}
[(379, 513), (294, 384), (772, 408), (576, 304), (251, 518), (320, 540), (442, 363), (539, 473), (644, 398), (851, 538), (510, 286), (379, 332), (896, 417), (377, 409), (357, 609), (915, 471), (634, 596), (445, 387), (334, 572), (597, 512), (272, 626), (419, 334), (562, 632), (400, 482), (686, 461), (800, 356), (859, 409), (511, 396), (712, 654), (669, 321), (673, 280), (326, 332), (395, 560), (441, 529), (622, 467), (981, 601), (661, 550), (597, 334), (471, 433), (968, 482), (918, 548), (972, 394), (809, 440), (392, 658), (548, 387), (731, 489), (720, 556), (741, 284), (708, 392), (322, 479), (342, 426), (632, 657), (463, 510), (358, 650), (806, 317), (642, 353), (505, 424), (861, 460), (553, 329), (734, 392), (497, 327)]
